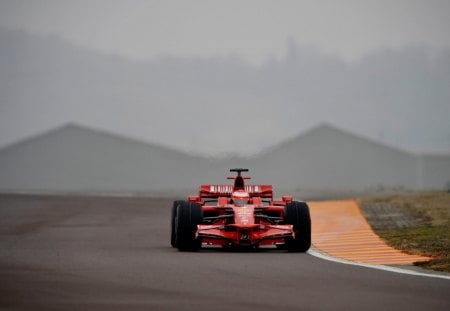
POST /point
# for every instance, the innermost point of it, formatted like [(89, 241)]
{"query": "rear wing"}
[(215, 191)]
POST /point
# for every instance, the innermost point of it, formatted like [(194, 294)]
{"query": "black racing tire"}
[(173, 215), (297, 214), (189, 215)]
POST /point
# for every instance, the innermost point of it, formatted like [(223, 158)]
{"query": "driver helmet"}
[(240, 197)]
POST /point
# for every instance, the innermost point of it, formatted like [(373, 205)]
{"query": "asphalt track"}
[(87, 253)]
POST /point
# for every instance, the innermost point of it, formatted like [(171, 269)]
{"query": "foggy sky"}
[(318, 61), (256, 30)]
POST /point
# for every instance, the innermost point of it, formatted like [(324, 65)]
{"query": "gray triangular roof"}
[(327, 131), (75, 157)]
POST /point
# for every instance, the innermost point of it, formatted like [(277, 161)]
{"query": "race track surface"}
[(87, 253)]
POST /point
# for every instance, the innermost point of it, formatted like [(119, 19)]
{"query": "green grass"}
[(431, 236), (432, 241)]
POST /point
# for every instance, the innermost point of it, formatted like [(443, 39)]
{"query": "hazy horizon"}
[(230, 77), (255, 30)]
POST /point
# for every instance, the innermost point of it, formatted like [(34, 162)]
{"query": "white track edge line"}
[(320, 255)]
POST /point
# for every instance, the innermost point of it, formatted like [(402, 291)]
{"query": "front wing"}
[(255, 235)]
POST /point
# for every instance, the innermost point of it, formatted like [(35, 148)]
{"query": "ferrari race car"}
[(240, 216)]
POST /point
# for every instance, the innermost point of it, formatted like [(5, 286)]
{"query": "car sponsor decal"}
[(229, 189)]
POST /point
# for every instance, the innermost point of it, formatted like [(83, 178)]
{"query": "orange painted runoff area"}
[(340, 230)]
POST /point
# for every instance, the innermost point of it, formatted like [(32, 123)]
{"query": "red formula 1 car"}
[(239, 215)]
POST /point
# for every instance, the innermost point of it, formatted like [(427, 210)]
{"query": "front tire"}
[(297, 214), (188, 216), (172, 221)]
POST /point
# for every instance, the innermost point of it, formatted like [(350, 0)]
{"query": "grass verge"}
[(430, 236)]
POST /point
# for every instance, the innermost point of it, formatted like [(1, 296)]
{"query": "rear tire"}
[(172, 221), (297, 214), (188, 216)]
